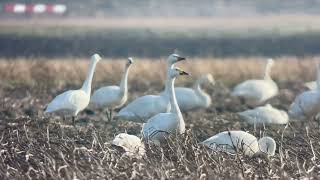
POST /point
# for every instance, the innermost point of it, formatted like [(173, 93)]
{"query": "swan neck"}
[(267, 72), (87, 83), (124, 80), (200, 92), (173, 100), (167, 85)]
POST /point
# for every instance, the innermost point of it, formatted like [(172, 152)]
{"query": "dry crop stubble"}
[(46, 147)]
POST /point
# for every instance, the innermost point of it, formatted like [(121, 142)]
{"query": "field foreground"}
[(35, 146)]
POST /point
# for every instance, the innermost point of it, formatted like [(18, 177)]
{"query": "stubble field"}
[(46, 147)]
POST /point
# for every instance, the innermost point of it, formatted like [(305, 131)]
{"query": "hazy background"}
[(150, 28)]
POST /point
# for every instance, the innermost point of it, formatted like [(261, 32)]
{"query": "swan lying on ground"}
[(171, 122), (147, 106), (194, 98), (312, 85), (240, 141), (307, 104), (256, 92), (71, 102), (111, 97), (265, 114), (131, 144)]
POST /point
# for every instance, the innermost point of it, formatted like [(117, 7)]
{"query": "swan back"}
[(130, 143), (232, 141), (265, 114), (267, 145)]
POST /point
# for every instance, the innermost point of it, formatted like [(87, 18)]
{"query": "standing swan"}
[(161, 124), (265, 114), (307, 104), (111, 97), (240, 141), (194, 98), (256, 92), (73, 101), (147, 106)]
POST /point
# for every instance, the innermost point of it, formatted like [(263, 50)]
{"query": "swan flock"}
[(161, 114)]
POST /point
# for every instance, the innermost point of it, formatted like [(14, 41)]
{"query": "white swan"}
[(265, 114), (73, 101), (312, 85), (307, 104), (194, 98), (147, 106), (131, 144), (240, 141), (256, 92), (161, 124), (111, 97)]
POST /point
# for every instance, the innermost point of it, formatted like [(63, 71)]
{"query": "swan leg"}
[(73, 120), (110, 114)]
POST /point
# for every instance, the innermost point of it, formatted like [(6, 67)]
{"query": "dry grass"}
[(145, 71), (34, 146)]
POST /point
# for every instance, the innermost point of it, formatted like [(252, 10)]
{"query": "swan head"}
[(175, 72), (208, 78), (270, 62), (267, 146), (129, 62), (96, 58), (174, 58)]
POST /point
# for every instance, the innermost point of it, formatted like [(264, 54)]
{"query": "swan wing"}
[(144, 107), (75, 100), (228, 140), (265, 114), (186, 98), (160, 125), (312, 85), (130, 143), (256, 90), (305, 105), (106, 96)]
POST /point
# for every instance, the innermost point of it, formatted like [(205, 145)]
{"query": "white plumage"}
[(131, 144), (256, 92), (194, 98), (265, 114), (71, 102), (307, 104), (240, 141), (111, 97), (171, 122), (312, 85), (147, 106)]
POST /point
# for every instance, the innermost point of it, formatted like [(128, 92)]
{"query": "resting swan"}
[(131, 144), (194, 98), (161, 124), (256, 92), (111, 97), (265, 114), (73, 101), (233, 141), (147, 106), (307, 104), (312, 85)]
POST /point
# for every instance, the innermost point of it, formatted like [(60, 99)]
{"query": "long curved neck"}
[(200, 93), (124, 80), (167, 85), (267, 72), (87, 83), (173, 101)]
